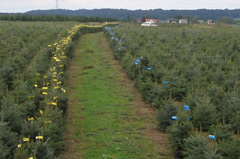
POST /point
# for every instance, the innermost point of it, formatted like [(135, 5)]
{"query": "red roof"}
[(139, 20), (154, 20)]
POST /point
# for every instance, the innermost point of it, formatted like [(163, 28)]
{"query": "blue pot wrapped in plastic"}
[(174, 118), (165, 82), (186, 107), (212, 137)]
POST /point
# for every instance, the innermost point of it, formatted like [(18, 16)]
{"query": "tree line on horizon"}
[(29, 17), (103, 15), (203, 14)]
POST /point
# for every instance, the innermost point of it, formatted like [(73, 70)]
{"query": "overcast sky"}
[(26, 5)]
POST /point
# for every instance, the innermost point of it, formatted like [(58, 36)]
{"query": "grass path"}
[(107, 118)]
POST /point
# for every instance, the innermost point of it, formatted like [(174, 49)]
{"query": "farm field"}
[(107, 118), (33, 100), (88, 108), (191, 74)]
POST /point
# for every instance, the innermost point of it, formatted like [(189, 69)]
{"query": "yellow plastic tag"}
[(39, 137), (31, 119), (44, 93), (64, 91), (47, 122), (26, 139), (54, 80)]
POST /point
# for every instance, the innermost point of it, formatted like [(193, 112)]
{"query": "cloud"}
[(25, 5)]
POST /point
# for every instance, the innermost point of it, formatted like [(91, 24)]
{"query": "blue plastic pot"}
[(174, 118), (165, 82), (212, 137), (186, 107), (137, 60)]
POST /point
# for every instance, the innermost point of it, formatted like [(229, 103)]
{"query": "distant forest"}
[(45, 17), (203, 14)]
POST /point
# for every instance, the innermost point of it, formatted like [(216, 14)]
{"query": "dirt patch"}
[(144, 110), (88, 67), (90, 51)]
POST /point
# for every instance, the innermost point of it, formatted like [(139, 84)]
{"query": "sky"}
[(27, 5)]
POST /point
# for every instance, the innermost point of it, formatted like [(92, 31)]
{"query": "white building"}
[(183, 21), (150, 22)]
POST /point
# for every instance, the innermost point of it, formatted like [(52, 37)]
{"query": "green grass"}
[(104, 123)]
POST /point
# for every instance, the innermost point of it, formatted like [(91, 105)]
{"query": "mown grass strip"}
[(102, 121)]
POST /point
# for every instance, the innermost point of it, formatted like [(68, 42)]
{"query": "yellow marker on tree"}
[(58, 60), (31, 119), (25, 139), (39, 137), (56, 88), (19, 145), (47, 122), (45, 93), (64, 91)]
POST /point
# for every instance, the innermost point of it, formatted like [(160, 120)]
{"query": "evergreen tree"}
[(230, 148), (164, 115), (196, 147), (204, 115), (178, 132), (8, 141)]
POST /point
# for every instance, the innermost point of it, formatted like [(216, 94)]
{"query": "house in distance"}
[(183, 21), (173, 21), (201, 21), (150, 22), (210, 22)]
